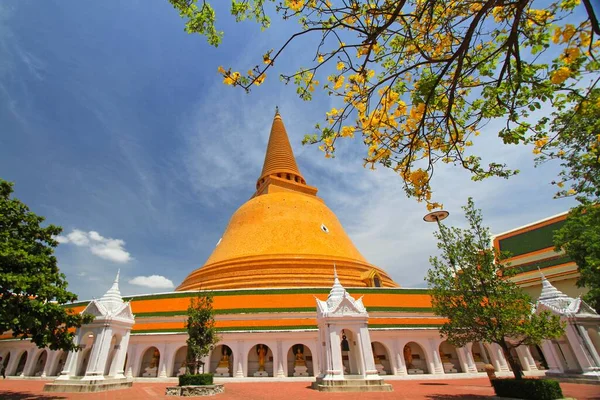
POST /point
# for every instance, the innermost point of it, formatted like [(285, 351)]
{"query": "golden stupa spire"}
[(279, 159)]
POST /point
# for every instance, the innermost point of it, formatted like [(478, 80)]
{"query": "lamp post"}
[(437, 216)]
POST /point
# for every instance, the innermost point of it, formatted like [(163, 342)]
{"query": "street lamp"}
[(437, 216)]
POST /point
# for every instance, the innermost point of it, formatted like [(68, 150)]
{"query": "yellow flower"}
[(232, 78), (339, 82), (570, 54), (260, 79), (560, 75), (320, 58), (556, 35), (221, 70), (295, 5), (571, 192), (347, 131), (340, 66), (267, 59)]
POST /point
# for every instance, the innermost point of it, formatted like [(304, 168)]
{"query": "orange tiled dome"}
[(285, 236)]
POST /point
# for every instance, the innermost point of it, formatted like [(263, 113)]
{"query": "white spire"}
[(549, 292), (112, 298), (337, 290)]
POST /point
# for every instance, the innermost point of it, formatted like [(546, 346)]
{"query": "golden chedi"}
[(284, 236)]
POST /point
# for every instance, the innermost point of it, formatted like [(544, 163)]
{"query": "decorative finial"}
[(334, 272), (118, 273), (276, 110)]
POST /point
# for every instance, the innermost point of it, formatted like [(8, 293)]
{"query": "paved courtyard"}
[(470, 389)]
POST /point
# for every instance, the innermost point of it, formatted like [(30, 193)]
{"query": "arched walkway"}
[(260, 354), (150, 362), (179, 361), (414, 357), (5, 360), (61, 358), (221, 361), (21, 364), (538, 357), (113, 351), (88, 340), (299, 361), (40, 363), (381, 356), (449, 357), (595, 338), (349, 353), (481, 356)]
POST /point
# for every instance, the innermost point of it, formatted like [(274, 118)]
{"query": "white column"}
[(239, 358), (116, 368), (12, 363), (399, 358), (552, 359), (370, 371), (499, 359), (99, 354), (30, 363), (526, 358), (438, 367), (579, 349), (162, 362), (336, 369), (51, 357), (467, 365), (589, 345), (69, 369), (131, 361), (278, 361)]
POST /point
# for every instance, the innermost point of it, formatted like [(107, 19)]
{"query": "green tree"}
[(202, 334), (471, 287), (579, 237), (32, 290), (419, 79)]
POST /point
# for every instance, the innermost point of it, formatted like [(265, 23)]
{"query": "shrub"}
[(197, 379), (535, 389)]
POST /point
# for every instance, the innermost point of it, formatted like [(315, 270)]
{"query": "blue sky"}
[(114, 121)]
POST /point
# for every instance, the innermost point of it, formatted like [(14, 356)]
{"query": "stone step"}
[(354, 388), (80, 386)]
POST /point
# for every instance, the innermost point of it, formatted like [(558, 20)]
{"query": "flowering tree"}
[(418, 79)]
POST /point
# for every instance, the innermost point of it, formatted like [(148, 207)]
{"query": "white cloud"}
[(153, 281), (106, 248)]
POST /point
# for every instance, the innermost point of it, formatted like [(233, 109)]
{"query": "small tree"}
[(470, 286), (32, 289), (202, 334)]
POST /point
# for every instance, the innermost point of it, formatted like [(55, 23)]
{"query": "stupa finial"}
[(276, 110)]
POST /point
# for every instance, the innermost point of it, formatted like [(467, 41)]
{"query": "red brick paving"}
[(470, 389)]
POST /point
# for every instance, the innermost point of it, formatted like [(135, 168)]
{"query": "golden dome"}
[(284, 236)]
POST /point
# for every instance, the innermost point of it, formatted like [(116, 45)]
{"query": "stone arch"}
[(149, 362), (40, 363), (415, 358), (5, 359), (114, 349), (179, 360), (21, 363), (60, 360), (254, 357), (450, 359), (382, 358), (88, 339), (594, 338), (305, 360), (350, 357), (221, 361), (482, 355), (538, 357)]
